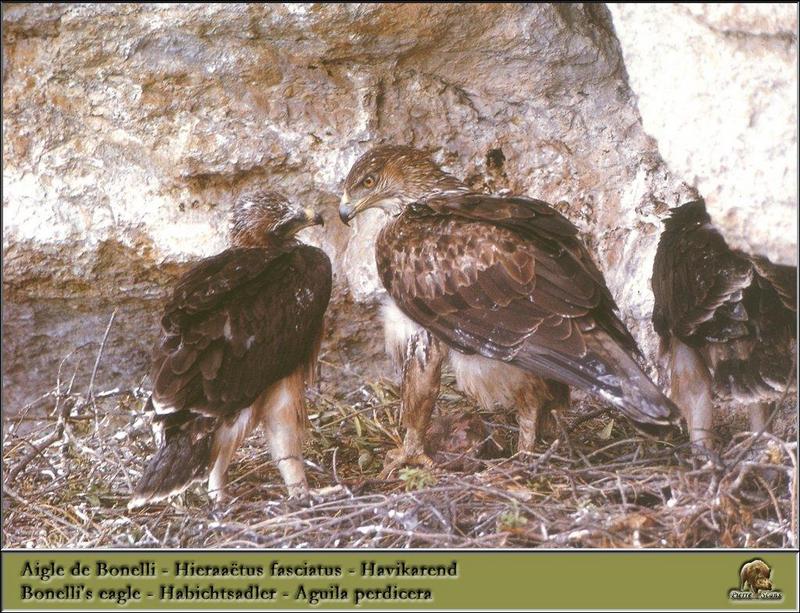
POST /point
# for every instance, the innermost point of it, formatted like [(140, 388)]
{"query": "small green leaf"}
[(417, 478), (511, 520)]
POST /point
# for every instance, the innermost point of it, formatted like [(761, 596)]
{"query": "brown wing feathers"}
[(509, 279), (708, 295), (232, 331), (235, 324), (564, 269)]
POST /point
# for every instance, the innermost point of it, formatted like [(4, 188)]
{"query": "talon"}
[(397, 458), (217, 513), (219, 499), (323, 492), (298, 491), (298, 497)]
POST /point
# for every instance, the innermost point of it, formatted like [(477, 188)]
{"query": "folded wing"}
[(236, 323), (738, 308), (509, 279)]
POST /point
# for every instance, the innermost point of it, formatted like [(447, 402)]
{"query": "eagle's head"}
[(262, 218), (392, 177), (691, 214)]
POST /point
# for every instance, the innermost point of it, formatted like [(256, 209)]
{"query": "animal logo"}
[(755, 576), (755, 583)]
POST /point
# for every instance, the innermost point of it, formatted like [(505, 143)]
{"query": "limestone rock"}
[(717, 88), (130, 128)]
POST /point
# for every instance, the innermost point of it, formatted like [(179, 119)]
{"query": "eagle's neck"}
[(248, 240), (442, 187)]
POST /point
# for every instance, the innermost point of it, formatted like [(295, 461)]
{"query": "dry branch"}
[(620, 492)]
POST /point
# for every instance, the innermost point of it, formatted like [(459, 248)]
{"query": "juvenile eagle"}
[(726, 319), (503, 282), (238, 345)]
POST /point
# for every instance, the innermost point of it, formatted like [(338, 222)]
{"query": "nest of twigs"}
[(69, 473)]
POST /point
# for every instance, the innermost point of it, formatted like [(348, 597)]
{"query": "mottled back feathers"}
[(236, 323), (509, 279)]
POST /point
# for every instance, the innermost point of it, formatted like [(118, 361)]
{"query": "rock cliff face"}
[(716, 86), (129, 130)]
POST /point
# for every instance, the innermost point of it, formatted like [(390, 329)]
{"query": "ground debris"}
[(608, 487)]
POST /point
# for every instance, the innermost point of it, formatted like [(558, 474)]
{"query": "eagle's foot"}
[(299, 490), (527, 442), (218, 498), (298, 496), (704, 454), (220, 504), (398, 458)]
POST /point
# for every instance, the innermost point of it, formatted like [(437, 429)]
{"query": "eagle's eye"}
[(368, 182)]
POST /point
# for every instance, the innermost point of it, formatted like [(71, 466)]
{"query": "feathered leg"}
[(759, 414), (422, 369), (691, 389), (285, 421), (535, 403), (228, 437), (281, 408)]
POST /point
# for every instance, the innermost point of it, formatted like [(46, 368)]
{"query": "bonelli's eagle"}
[(501, 284), (727, 321), (238, 346)]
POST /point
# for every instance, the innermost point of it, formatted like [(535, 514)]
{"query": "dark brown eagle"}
[(239, 342), (726, 319), (505, 283)]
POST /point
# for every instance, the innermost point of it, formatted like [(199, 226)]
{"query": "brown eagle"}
[(726, 319), (503, 282), (239, 342)]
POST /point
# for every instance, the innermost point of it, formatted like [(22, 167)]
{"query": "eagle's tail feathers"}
[(609, 372), (183, 459)]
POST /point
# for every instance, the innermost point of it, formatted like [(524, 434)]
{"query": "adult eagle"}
[(502, 281), (238, 345), (726, 319)]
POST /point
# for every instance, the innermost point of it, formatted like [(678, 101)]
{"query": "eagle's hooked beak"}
[(303, 219), (314, 218), (346, 211)]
